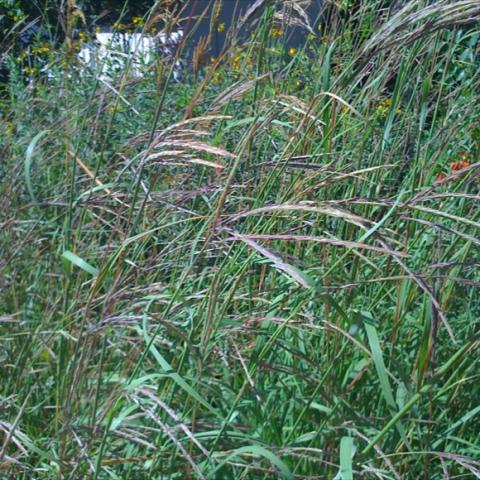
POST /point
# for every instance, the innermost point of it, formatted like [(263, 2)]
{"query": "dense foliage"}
[(40, 8), (268, 271), (15, 15)]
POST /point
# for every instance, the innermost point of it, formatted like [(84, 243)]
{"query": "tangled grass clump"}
[(269, 271)]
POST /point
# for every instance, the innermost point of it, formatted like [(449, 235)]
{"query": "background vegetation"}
[(52, 9), (268, 271)]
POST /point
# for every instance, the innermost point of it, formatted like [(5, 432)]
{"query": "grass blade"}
[(29, 161), (346, 456), (80, 263)]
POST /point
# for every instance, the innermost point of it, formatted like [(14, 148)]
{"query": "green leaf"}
[(28, 163), (80, 263), (382, 373), (380, 365), (166, 367), (259, 452), (464, 419), (346, 456)]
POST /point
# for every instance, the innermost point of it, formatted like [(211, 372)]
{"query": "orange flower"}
[(460, 165), (441, 177)]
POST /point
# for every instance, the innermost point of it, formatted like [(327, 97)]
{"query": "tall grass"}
[(270, 271)]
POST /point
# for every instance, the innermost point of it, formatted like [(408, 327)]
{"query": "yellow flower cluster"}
[(276, 32), (42, 49), (119, 26), (241, 60), (30, 70), (138, 22), (384, 106), (19, 18), (220, 27), (237, 62), (22, 57)]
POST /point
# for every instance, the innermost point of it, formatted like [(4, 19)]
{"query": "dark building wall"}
[(231, 13), (107, 12)]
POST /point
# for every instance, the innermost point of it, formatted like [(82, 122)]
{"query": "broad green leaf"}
[(28, 163), (346, 456), (80, 263), (259, 452), (380, 365)]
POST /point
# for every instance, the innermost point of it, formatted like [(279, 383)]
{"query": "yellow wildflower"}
[(292, 52), (22, 57), (276, 32), (220, 27), (19, 18), (384, 106), (138, 21), (41, 49), (30, 70), (237, 62)]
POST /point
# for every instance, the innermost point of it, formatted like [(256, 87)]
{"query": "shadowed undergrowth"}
[(269, 271)]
